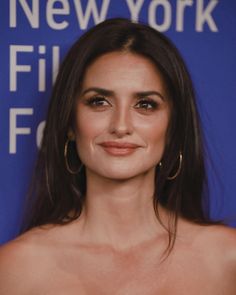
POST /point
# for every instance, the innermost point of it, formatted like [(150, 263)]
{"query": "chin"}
[(121, 173)]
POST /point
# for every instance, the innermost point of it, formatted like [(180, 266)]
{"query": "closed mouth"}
[(119, 145), (119, 148)]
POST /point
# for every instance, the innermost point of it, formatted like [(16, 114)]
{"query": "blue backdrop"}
[(34, 38)]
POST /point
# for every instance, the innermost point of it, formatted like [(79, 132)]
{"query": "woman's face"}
[(122, 116)]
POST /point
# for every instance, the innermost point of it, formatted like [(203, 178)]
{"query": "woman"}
[(120, 179)]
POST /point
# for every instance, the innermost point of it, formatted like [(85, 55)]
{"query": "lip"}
[(119, 148)]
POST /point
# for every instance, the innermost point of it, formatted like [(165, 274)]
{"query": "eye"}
[(97, 101), (146, 104)]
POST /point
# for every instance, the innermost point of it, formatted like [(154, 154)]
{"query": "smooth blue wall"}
[(35, 34)]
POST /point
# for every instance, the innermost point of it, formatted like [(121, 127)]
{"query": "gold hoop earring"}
[(66, 161), (179, 168)]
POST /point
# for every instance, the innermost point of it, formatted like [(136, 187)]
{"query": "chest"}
[(131, 275)]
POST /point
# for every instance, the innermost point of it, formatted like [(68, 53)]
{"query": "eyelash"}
[(95, 101), (150, 104), (146, 104)]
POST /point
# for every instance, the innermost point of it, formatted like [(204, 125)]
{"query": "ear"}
[(71, 134)]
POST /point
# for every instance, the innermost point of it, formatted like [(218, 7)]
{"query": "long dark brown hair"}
[(55, 192)]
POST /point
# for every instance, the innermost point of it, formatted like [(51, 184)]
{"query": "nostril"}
[(121, 127)]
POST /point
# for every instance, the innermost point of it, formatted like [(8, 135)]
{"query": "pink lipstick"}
[(119, 148)]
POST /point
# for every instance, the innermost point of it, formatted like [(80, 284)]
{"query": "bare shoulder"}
[(215, 237), (221, 239), (222, 243), (21, 263), (217, 240), (217, 246)]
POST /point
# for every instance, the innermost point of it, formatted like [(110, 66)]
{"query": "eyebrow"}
[(101, 91), (107, 92)]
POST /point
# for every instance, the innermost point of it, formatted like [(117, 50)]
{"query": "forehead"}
[(118, 69)]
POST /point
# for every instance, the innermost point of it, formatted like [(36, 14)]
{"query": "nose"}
[(121, 122)]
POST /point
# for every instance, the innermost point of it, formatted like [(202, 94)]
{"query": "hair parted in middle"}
[(181, 196)]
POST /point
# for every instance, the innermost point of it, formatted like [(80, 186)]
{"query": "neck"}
[(120, 213)]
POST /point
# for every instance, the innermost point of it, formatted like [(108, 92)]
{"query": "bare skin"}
[(60, 260), (116, 246)]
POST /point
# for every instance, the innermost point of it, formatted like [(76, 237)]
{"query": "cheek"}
[(154, 129), (88, 127)]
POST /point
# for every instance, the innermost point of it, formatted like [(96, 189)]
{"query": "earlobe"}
[(71, 135)]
